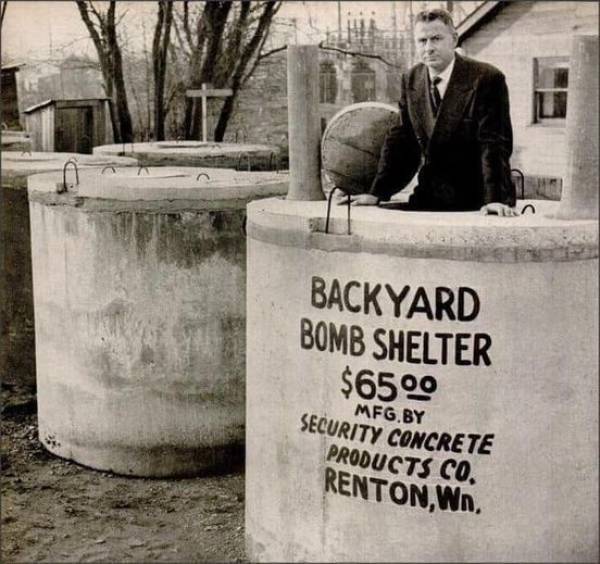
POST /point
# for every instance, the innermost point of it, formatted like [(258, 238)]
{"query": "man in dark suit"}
[(453, 127)]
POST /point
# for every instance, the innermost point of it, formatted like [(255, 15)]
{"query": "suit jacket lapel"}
[(455, 100), (419, 107)]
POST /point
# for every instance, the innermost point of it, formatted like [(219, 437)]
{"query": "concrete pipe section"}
[(240, 156), (15, 141), (422, 390), (17, 339), (139, 286)]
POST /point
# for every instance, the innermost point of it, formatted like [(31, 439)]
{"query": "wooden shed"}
[(69, 125), (10, 96)]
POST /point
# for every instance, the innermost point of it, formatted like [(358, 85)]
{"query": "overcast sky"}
[(30, 28)]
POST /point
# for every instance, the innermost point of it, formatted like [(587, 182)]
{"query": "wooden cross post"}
[(204, 94)]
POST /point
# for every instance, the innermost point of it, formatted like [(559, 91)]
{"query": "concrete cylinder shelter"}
[(422, 390), (580, 199), (139, 288), (241, 156), (17, 338), (304, 122)]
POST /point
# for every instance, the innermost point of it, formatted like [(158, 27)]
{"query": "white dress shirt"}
[(445, 78)]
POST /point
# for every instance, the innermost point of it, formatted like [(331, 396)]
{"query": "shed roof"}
[(12, 66), (483, 13), (52, 101)]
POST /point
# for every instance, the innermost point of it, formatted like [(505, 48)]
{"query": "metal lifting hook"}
[(64, 184), (329, 207), (140, 170), (108, 166), (202, 174), (527, 207), (520, 173)]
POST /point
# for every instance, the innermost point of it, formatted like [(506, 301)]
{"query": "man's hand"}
[(360, 200), (496, 208)]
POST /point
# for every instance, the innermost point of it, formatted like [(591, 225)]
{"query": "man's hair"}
[(436, 14)]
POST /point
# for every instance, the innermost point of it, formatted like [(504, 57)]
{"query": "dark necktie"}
[(436, 98)]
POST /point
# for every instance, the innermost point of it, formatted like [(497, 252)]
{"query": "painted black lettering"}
[(444, 337), (370, 298), (462, 313), (459, 348), (343, 483), (486, 444), (412, 346), (330, 474), (347, 304), (335, 295), (397, 298), (360, 485), (306, 338), (338, 338), (357, 344), (379, 482), (444, 298), (420, 304), (378, 335), (304, 422), (318, 298), (481, 345)]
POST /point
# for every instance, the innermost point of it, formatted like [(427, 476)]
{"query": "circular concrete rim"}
[(169, 149), (460, 236), (155, 188)]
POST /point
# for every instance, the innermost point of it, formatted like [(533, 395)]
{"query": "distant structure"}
[(70, 126), (530, 42), (10, 96)]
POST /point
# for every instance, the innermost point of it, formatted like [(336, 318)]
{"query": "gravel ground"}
[(57, 511)]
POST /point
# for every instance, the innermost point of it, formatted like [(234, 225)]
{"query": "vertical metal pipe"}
[(304, 123), (580, 190)]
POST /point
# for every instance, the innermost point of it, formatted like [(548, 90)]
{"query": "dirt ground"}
[(57, 511)]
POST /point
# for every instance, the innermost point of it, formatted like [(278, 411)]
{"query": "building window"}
[(551, 82), (362, 82), (327, 83)]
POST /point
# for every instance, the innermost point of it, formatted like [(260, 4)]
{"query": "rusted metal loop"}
[(522, 176), (202, 174), (4, 126), (527, 207), (108, 166), (72, 162), (348, 201), (25, 152), (143, 167), (178, 138), (274, 159), (240, 161)]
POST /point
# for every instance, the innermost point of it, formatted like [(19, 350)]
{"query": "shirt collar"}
[(446, 73)]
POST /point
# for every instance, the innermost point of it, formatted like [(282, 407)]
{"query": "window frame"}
[(560, 61)]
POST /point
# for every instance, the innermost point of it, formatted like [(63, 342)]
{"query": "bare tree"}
[(222, 44), (3, 6), (160, 51), (102, 27)]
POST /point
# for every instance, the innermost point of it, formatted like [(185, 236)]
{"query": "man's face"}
[(435, 44)]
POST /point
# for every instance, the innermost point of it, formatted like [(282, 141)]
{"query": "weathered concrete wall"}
[(140, 320), (17, 336), (508, 470)]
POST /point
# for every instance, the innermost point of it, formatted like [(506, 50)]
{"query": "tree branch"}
[(3, 6), (357, 54)]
